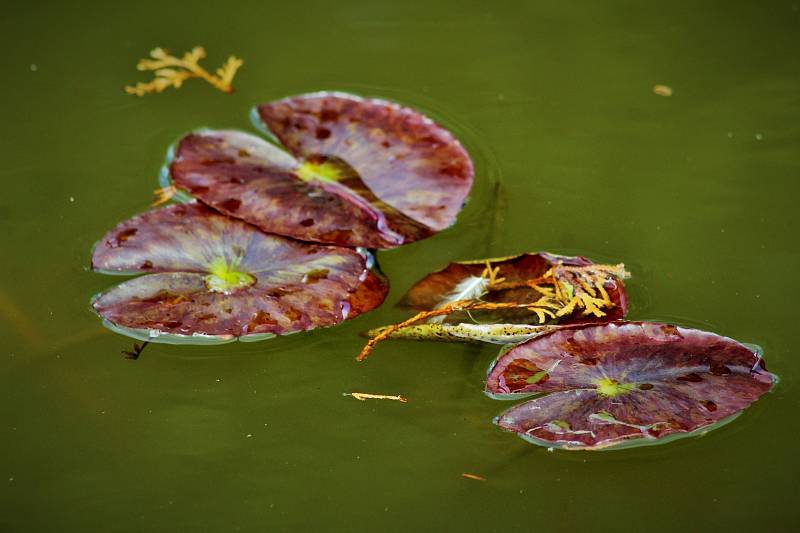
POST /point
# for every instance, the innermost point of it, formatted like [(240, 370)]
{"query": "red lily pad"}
[(212, 278), (356, 172), (620, 382), (470, 280)]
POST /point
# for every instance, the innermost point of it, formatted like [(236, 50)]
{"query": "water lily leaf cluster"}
[(334, 169), (273, 236)]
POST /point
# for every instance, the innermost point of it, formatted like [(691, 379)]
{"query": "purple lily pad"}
[(613, 383), (356, 172), (212, 278)]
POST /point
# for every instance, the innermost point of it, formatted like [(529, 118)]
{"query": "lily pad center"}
[(611, 388), (322, 168), (226, 277)]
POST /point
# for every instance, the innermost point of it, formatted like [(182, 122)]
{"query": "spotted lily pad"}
[(212, 279), (625, 382), (350, 171)]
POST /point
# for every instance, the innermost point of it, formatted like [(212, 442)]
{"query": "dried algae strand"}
[(364, 396), (171, 71)]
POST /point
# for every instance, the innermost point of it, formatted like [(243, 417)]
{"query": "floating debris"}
[(363, 396), (163, 195), (662, 90), (171, 71), (508, 299), (473, 476)]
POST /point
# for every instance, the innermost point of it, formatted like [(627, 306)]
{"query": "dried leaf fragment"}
[(171, 71)]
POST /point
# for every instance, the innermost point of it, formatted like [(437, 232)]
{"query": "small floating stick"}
[(363, 396)]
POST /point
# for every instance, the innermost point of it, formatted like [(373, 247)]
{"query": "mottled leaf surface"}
[(607, 384), (211, 275), (358, 172)]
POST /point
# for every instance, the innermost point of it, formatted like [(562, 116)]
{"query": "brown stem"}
[(505, 285), (463, 305)]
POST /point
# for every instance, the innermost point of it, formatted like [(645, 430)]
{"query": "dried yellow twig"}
[(163, 195), (492, 274), (364, 396), (171, 71), (473, 476)]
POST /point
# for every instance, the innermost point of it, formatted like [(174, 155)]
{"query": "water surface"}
[(696, 192)]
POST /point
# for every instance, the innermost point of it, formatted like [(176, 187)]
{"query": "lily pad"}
[(212, 279), (351, 171), (620, 382)]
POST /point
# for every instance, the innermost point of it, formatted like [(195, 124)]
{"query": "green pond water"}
[(697, 193)]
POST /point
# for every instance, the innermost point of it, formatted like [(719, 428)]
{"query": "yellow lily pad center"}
[(613, 388), (323, 171), (224, 277)]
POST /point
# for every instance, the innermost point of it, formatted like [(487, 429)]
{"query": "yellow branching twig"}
[(492, 274), (163, 195), (171, 71), (363, 396)]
